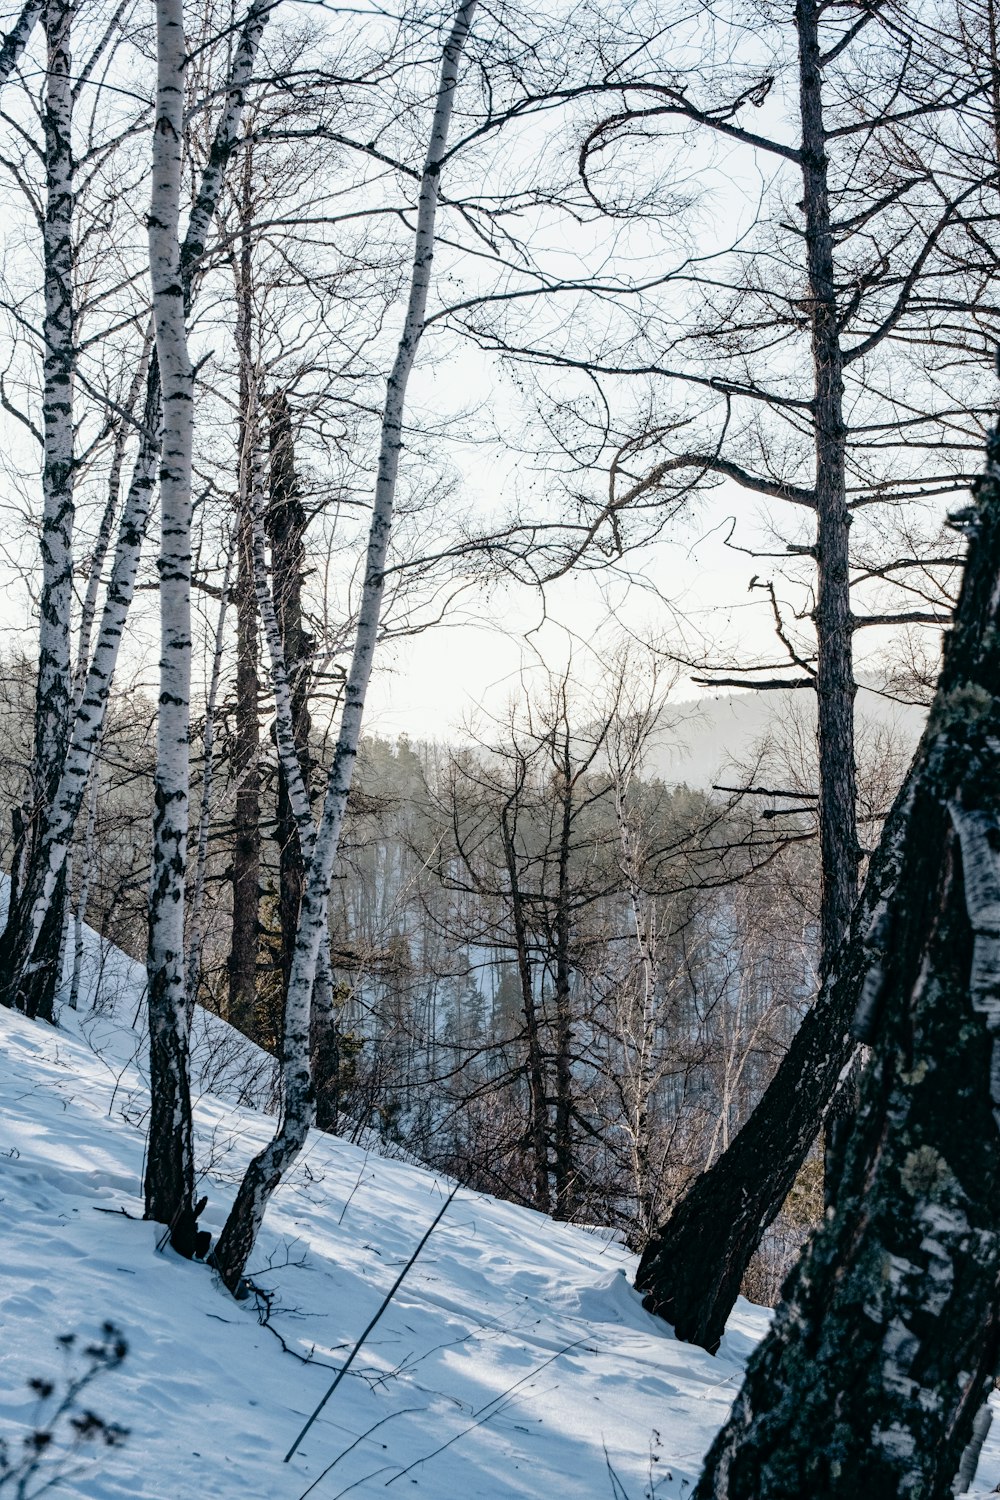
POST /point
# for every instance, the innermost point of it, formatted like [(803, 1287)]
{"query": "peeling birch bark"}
[(298, 1099)]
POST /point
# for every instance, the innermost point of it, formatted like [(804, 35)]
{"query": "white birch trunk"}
[(169, 1187), (298, 1100), (31, 986), (54, 683), (284, 724), (17, 38), (284, 720), (43, 866)]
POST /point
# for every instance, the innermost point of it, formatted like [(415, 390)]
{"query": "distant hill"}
[(716, 732)]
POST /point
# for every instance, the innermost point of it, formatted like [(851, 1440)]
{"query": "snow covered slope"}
[(517, 1342), (515, 1361)]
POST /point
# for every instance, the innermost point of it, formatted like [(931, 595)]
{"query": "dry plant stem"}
[(298, 1096), (359, 1345)]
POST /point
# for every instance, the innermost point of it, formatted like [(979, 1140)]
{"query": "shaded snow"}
[(502, 1301)]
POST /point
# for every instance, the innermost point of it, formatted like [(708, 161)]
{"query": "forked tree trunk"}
[(887, 1342), (692, 1268), (298, 1099)]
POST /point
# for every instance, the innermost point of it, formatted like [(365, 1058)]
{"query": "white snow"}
[(517, 1342), (515, 1361)]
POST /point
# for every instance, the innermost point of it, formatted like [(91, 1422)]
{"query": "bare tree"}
[(266, 1170)]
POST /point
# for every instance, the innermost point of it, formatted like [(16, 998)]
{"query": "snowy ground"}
[(515, 1361)]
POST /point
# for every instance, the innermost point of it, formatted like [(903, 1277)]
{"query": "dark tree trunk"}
[(246, 747), (886, 1345), (286, 525), (246, 750), (30, 967), (539, 1126), (835, 684), (693, 1267), (169, 1181), (565, 1167)]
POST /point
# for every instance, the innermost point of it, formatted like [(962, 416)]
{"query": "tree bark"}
[(565, 1167), (887, 1342), (692, 1268), (835, 686), (539, 1127), (286, 524), (197, 898), (169, 1184), (18, 38), (246, 744), (298, 1099), (35, 982)]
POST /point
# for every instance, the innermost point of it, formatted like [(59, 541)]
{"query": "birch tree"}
[(27, 941), (169, 1184), (266, 1170), (54, 694), (18, 38)]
